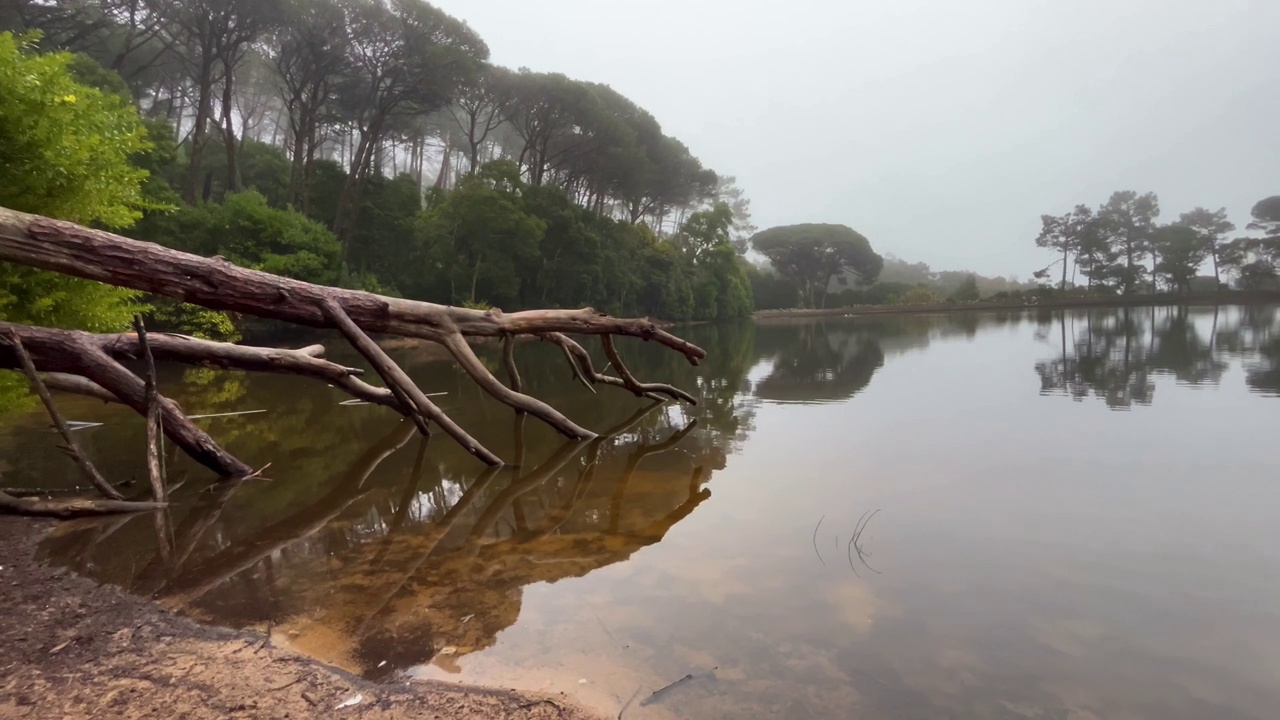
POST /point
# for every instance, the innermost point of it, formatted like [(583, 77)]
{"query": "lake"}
[(984, 515)]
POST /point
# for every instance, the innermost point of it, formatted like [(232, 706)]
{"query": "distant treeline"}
[(899, 283), (1110, 247)]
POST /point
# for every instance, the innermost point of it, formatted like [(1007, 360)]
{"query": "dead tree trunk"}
[(214, 283)]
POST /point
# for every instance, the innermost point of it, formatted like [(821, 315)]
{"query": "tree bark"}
[(217, 284)]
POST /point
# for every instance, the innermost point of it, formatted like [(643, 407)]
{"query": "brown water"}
[(1056, 516)]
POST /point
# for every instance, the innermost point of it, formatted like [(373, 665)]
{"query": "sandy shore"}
[(70, 648)]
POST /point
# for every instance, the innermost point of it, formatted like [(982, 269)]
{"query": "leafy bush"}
[(248, 232), (64, 153)]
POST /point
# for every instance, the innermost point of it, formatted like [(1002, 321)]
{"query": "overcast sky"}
[(940, 129)]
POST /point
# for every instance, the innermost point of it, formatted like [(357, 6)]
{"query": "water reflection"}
[(1014, 576), (1115, 355)]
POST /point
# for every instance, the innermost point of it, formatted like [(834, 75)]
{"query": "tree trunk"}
[(353, 189), (229, 128), (298, 142), (442, 178), (204, 109), (217, 284)]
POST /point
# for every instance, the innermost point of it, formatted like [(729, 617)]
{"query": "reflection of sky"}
[(1038, 555)]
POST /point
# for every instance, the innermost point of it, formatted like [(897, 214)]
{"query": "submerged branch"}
[(71, 508)]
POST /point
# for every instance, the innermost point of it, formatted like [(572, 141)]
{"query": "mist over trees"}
[(1121, 247), (371, 144)]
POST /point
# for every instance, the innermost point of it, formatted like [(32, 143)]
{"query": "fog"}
[(941, 130)]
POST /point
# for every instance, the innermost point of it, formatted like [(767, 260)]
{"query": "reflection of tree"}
[(1256, 339), (1114, 354), (817, 361), (381, 571)]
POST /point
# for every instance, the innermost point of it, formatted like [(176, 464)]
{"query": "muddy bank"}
[(70, 648)]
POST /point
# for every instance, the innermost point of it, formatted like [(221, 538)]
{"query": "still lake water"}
[(1057, 515)]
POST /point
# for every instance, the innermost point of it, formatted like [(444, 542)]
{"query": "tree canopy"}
[(811, 255), (1109, 246), (283, 127)]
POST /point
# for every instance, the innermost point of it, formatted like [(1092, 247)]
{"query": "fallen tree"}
[(114, 501), (215, 283)]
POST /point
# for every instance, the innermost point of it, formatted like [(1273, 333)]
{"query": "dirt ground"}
[(70, 648)]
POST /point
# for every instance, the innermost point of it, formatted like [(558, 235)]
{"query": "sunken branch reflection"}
[(383, 571)]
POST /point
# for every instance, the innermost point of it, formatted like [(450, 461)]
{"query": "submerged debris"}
[(350, 702), (658, 694)]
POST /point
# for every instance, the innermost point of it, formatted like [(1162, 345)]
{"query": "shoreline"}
[(1259, 297), (71, 648)]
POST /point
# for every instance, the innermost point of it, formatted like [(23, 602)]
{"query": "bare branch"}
[(403, 386), (154, 473), (73, 447)]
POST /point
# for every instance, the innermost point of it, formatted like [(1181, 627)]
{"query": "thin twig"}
[(293, 682), (73, 448), (854, 542), (267, 639), (815, 540), (543, 701), (634, 695), (231, 414)]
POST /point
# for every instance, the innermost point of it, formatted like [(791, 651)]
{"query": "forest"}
[(357, 143), (372, 145), (1111, 246)]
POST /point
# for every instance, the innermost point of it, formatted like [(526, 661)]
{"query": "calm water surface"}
[(973, 516)]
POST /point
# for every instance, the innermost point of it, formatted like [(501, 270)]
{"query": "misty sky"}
[(940, 129)]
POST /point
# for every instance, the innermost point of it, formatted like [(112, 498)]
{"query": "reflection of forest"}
[(377, 551), (412, 550), (1114, 354), (383, 570)]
